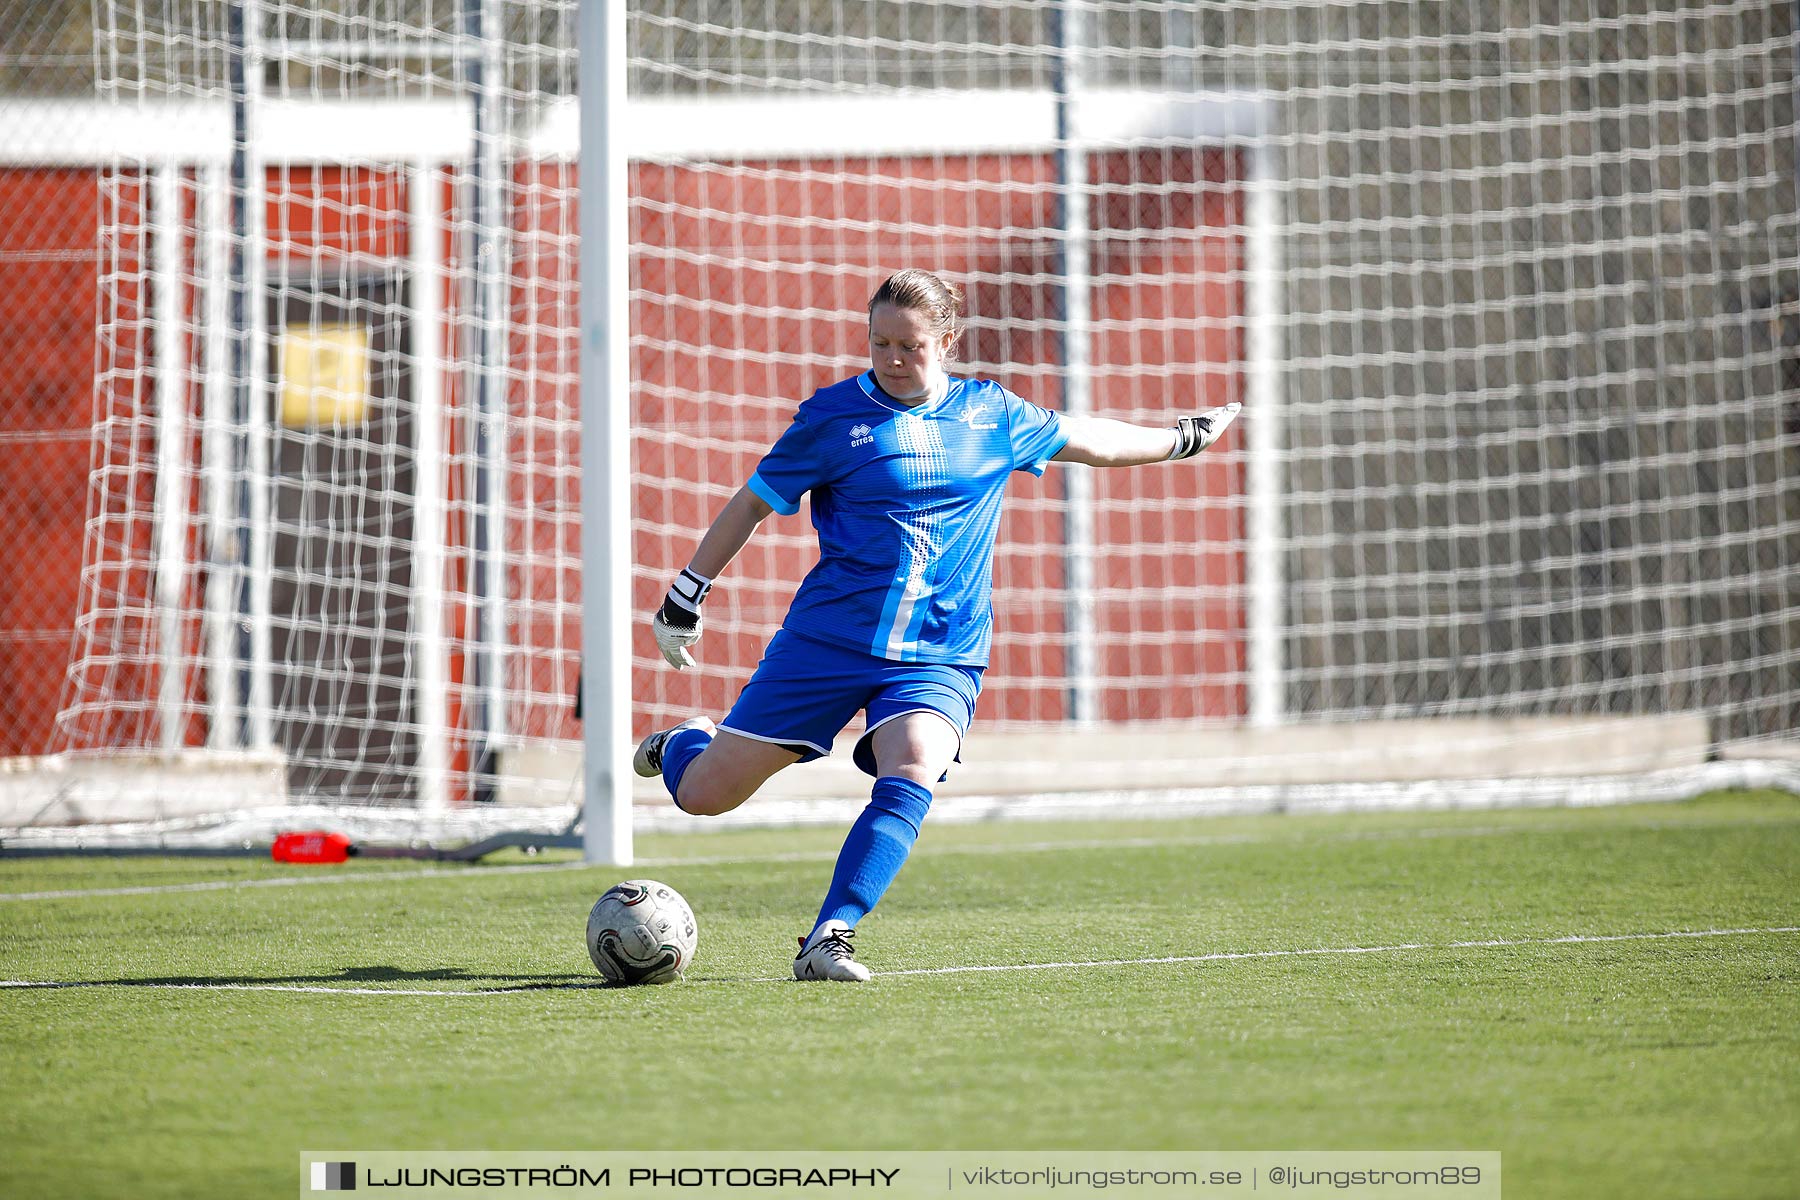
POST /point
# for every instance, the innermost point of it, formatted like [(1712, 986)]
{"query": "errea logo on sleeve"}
[(860, 435)]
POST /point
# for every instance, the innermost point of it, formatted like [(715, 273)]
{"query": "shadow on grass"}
[(353, 978), (358, 976)]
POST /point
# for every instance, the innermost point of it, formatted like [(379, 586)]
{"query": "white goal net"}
[(1508, 290)]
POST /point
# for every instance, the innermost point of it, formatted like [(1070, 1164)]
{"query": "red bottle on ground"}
[(311, 848)]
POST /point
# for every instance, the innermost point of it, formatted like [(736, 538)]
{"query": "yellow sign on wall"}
[(324, 375)]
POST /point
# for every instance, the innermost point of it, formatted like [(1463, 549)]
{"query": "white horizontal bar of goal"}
[(82, 132)]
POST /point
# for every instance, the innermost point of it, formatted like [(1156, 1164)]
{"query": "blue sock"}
[(679, 752), (875, 849)]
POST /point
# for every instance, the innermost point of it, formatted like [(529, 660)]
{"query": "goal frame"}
[(423, 138)]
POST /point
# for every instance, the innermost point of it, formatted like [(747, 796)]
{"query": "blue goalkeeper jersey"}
[(907, 505)]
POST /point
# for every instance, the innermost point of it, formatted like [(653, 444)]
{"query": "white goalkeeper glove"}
[(1194, 434), (677, 624)]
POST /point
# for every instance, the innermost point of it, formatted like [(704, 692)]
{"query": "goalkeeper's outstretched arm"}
[(1103, 442), (677, 623), (729, 533)]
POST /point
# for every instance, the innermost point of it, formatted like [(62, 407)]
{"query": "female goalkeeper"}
[(907, 466)]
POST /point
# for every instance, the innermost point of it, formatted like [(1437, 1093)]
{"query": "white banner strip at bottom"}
[(891, 1174)]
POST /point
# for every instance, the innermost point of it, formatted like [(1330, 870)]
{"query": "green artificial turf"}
[(1638, 1067)]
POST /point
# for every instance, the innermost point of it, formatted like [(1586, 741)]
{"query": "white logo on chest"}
[(972, 417), (861, 435)]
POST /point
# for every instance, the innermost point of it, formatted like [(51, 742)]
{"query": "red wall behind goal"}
[(48, 277), (747, 276)]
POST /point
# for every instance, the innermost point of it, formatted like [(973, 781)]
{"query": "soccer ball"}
[(642, 931)]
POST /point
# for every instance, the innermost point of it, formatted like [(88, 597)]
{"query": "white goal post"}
[(605, 315), (389, 442)]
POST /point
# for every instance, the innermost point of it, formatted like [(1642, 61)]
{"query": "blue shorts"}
[(804, 692)]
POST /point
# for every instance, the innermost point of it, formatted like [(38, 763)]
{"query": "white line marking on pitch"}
[(221, 885), (57, 985), (1222, 839), (983, 969), (1241, 955)]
